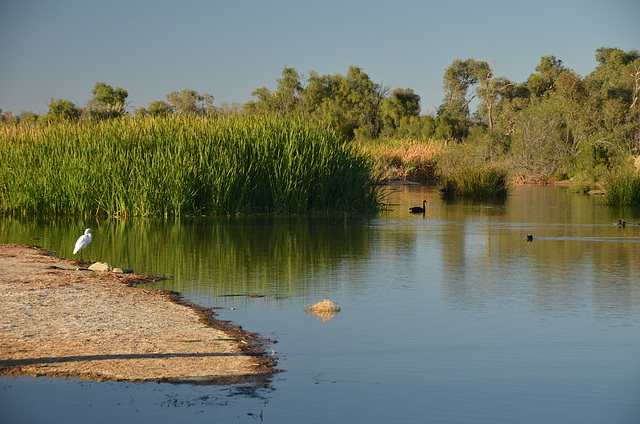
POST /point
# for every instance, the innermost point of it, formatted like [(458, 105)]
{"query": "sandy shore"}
[(59, 319)]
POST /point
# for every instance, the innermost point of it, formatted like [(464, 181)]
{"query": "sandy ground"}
[(59, 319)]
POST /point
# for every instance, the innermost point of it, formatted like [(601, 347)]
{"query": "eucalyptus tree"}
[(541, 82), (61, 110), (159, 108), (319, 88), (28, 117), (359, 100), (463, 82), (285, 101), (458, 78), (190, 102), (617, 75), (489, 88), (107, 102), (398, 109), (287, 97), (261, 106), (613, 89)]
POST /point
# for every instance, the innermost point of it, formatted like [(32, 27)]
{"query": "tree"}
[(190, 102), (349, 104), (287, 97), (616, 75), (317, 90), (28, 117), (107, 102), (458, 78), (489, 88), (229, 109), (262, 105), (62, 110), (7, 117), (140, 113), (633, 74), (359, 99), (547, 71), (285, 101), (612, 90), (159, 108), (397, 109), (449, 126)]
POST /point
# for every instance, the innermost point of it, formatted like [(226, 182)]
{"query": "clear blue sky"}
[(60, 49)]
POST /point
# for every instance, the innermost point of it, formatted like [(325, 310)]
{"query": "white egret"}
[(82, 242)]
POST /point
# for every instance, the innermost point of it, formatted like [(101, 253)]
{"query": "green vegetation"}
[(478, 182), (555, 125), (182, 165), (471, 175), (622, 187)]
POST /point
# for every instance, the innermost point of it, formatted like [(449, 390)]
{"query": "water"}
[(448, 318)]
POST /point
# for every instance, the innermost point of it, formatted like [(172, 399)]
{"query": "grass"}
[(406, 159), (182, 165), (622, 187), (477, 181)]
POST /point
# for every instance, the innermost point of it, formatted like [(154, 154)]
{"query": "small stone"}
[(122, 271), (100, 267)]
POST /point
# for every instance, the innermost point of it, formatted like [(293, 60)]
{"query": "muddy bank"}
[(59, 319)]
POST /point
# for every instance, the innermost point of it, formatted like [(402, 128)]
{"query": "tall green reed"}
[(182, 165), (475, 181), (622, 187)]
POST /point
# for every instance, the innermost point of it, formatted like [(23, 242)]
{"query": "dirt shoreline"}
[(59, 319)]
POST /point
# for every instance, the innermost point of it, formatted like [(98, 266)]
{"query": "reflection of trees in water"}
[(577, 256), (574, 258)]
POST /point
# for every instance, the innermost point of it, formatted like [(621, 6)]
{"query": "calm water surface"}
[(448, 318)]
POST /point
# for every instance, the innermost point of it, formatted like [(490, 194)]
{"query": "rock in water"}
[(323, 310)]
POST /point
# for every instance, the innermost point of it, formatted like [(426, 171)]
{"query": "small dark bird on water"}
[(418, 209), (622, 223), (529, 237)]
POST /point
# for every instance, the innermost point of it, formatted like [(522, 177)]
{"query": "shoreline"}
[(58, 319)]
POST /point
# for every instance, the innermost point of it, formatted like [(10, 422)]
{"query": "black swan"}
[(418, 209)]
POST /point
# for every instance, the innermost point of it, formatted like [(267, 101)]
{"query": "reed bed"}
[(405, 159), (622, 187), (182, 165), (475, 181)]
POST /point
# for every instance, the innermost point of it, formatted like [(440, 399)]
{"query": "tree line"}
[(109, 102), (554, 122)]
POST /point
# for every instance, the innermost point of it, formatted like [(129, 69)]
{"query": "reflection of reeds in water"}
[(208, 257), (323, 310)]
